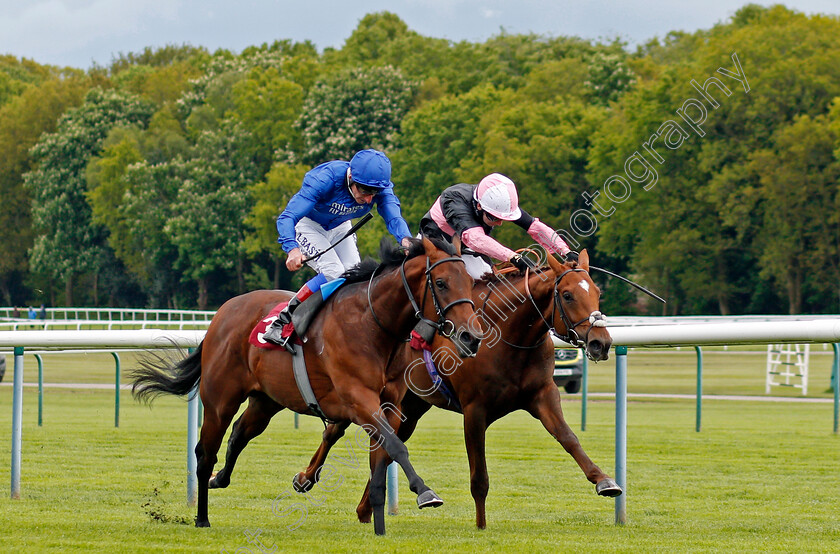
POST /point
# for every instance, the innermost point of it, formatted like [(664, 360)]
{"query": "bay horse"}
[(350, 343), (512, 371)]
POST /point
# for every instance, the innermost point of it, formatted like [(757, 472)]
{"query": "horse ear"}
[(428, 246), (456, 242), (583, 259), (554, 263)]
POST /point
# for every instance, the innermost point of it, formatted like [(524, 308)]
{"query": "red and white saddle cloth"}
[(256, 337)]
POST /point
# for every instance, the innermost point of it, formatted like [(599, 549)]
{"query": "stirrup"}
[(274, 334), (286, 342)]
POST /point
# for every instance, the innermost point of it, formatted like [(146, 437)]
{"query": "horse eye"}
[(440, 284), (567, 296)]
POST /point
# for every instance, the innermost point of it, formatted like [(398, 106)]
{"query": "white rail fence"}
[(80, 324), (822, 330), (22, 314)]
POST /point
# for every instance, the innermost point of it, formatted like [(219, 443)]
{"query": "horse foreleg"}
[(376, 486), (546, 408), (375, 422), (475, 430), (413, 409), (251, 424), (306, 479)]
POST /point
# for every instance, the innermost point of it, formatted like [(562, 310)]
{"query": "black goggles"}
[(373, 191)]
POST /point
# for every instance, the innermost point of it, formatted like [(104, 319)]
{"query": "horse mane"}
[(491, 278), (392, 256)]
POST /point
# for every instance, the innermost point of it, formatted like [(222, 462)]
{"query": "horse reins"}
[(596, 318), (441, 324)]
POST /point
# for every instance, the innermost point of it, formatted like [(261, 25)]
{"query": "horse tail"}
[(158, 375)]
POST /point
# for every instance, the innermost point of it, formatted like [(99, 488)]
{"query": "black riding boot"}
[(274, 332)]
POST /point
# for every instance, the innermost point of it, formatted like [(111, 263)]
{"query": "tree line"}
[(703, 165)]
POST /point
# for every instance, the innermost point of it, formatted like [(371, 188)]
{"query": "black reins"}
[(596, 318), (441, 324)]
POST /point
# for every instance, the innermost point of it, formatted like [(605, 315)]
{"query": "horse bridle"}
[(441, 324), (595, 319)]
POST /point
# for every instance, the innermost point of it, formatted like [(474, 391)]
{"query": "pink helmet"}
[(497, 196)]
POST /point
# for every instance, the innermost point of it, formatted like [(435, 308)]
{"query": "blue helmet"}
[(371, 168)]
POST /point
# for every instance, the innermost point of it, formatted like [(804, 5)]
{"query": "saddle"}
[(302, 317)]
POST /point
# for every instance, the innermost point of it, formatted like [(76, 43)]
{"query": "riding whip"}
[(365, 218), (629, 282)]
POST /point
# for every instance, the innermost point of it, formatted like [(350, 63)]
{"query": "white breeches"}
[(314, 239)]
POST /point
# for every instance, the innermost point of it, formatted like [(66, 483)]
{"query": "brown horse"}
[(350, 344), (513, 371)]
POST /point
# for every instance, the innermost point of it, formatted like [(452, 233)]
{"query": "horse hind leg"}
[(250, 425), (475, 430), (217, 418), (306, 479)]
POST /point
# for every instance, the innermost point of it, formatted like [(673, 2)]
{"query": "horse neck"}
[(391, 304), (507, 304)]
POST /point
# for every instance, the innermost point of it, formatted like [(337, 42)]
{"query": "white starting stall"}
[(825, 330), (787, 366)]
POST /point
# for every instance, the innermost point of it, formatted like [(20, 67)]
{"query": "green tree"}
[(797, 180), (267, 106), (68, 242), (434, 140), (22, 121), (207, 222), (609, 77), (353, 110), (681, 235)]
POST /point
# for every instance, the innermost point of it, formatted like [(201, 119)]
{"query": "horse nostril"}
[(470, 342)]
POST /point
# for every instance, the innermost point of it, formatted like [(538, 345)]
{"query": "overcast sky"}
[(79, 32)]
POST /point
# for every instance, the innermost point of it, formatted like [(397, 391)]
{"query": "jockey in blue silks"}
[(317, 216)]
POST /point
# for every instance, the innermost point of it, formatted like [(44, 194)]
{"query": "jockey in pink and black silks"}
[(319, 215), (472, 211)]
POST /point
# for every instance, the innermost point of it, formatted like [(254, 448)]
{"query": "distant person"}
[(43, 312), (32, 313)]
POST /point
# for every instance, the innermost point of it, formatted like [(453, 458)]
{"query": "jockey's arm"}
[(547, 238), (388, 206), (298, 207), (476, 239)]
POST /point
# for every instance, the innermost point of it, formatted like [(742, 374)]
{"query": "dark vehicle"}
[(568, 368)]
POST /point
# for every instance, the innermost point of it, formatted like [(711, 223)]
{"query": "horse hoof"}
[(428, 499), (304, 487), (205, 523), (608, 487), (216, 483), (363, 515)]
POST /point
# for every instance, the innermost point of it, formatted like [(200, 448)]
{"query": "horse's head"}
[(441, 282), (577, 302)]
